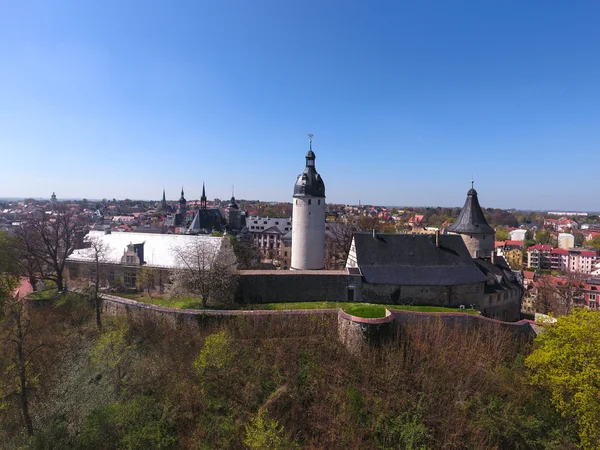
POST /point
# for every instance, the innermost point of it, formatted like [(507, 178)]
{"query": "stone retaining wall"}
[(354, 332)]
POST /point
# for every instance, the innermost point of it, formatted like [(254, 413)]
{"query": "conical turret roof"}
[(471, 219)]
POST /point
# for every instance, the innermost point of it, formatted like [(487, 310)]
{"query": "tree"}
[(566, 362), (113, 350), (19, 343), (99, 250), (595, 243), (145, 279), (543, 237), (558, 295), (48, 240), (9, 279), (263, 432), (246, 252), (206, 268), (569, 291), (337, 244), (501, 234)]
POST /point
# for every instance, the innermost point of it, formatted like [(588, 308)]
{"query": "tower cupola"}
[(472, 225), (309, 182)]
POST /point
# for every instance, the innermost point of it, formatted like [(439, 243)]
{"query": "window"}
[(276, 223), (319, 201), (309, 201), (74, 272), (129, 279), (111, 275), (284, 253)]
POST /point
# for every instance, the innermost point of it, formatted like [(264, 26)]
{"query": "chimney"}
[(437, 238), (493, 257)]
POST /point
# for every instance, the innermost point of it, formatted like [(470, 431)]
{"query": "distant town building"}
[(517, 235), (267, 234), (566, 241), (539, 256)]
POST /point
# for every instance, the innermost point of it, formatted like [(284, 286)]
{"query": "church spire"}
[(163, 203), (182, 199), (203, 198)]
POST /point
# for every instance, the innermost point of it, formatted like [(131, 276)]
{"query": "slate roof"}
[(405, 259), (309, 182), (207, 220), (471, 219), (500, 277)]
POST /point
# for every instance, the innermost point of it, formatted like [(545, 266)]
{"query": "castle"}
[(456, 269)]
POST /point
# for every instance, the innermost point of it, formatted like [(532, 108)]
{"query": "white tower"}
[(308, 218)]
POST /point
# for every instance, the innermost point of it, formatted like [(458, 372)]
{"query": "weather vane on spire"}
[(472, 182), (310, 136)]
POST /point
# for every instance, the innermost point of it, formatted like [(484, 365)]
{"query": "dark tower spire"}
[(164, 201), (203, 198)]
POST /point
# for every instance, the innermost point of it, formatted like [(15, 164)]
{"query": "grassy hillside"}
[(274, 383)]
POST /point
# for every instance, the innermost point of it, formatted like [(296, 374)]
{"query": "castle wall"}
[(503, 305), (308, 233), (450, 296), (279, 286), (479, 245)]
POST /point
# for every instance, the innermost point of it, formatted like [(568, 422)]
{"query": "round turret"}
[(471, 224), (308, 218)]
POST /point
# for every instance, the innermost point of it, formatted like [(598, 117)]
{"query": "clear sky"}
[(406, 100)]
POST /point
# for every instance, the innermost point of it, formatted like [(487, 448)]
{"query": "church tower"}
[(163, 203), (477, 234), (183, 207), (308, 218), (203, 201)]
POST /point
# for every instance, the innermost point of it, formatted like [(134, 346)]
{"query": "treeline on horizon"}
[(141, 383)]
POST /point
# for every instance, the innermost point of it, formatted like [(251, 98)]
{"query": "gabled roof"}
[(471, 219), (404, 259), (207, 219), (500, 277)]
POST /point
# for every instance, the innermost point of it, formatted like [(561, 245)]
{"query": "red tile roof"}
[(540, 247), (517, 243)]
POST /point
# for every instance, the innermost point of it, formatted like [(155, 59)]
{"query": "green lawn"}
[(432, 309), (179, 302), (367, 310)]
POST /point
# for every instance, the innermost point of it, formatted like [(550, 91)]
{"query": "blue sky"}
[(406, 100)]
